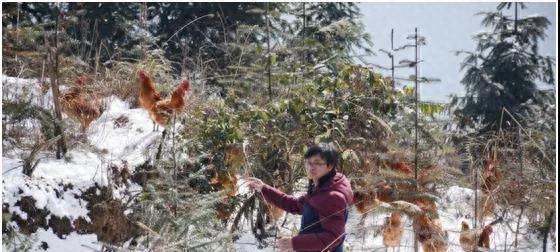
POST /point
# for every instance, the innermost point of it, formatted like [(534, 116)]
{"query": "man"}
[(324, 208)]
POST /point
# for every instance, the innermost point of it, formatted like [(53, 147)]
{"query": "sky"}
[(447, 27)]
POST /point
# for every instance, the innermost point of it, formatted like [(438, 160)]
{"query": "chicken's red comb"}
[(82, 80), (186, 85), (142, 74), (491, 161)]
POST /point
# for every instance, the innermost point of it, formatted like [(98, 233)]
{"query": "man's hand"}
[(285, 244), (254, 184)]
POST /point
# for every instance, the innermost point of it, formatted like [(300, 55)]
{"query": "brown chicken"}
[(427, 205), (224, 209), (484, 240), (399, 166), (385, 192), (470, 239), (467, 239), (80, 105), (492, 176), (161, 110), (429, 174), (367, 199), (148, 95), (429, 233), (226, 182), (393, 230)]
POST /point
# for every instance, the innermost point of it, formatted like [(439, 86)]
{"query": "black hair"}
[(328, 152)]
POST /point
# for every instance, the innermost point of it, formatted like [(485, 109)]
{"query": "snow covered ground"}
[(454, 207), (83, 168), (111, 143)]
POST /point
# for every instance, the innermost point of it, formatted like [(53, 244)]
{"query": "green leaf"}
[(273, 59), (431, 109), (408, 90)]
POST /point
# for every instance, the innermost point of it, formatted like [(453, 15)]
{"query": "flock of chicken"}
[(81, 105), (423, 210)]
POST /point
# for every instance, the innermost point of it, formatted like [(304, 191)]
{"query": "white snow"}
[(128, 142), (14, 88), (72, 242), (43, 191), (454, 207), (83, 166)]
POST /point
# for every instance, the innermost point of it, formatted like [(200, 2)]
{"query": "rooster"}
[(148, 95), (80, 106), (160, 110), (470, 239), (393, 230)]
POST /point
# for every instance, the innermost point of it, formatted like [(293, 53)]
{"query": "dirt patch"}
[(107, 217), (110, 224), (144, 172), (96, 194), (6, 216), (36, 218), (108, 220), (60, 226), (121, 175)]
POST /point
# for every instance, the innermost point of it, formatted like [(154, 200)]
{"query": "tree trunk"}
[(520, 149), (269, 56), (515, 20), (392, 61), (53, 69), (304, 54), (416, 120), (517, 228), (475, 170), (416, 107)]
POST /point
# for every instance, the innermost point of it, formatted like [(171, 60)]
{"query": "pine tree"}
[(504, 69)]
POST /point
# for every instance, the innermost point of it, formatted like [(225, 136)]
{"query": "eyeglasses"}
[(314, 164)]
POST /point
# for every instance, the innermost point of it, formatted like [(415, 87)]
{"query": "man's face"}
[(316, 167)]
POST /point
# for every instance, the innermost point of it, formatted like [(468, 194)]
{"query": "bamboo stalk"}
[(269, 65)]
